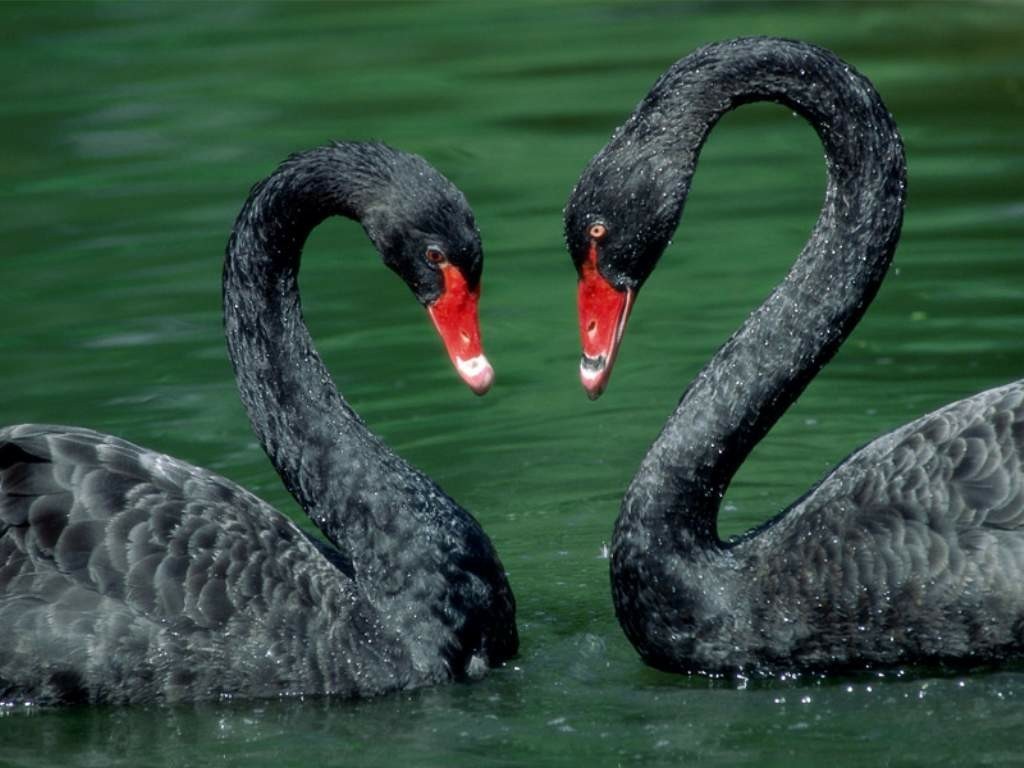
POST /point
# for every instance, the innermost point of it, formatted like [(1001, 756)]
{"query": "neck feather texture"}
[(763, 368), (366, 499)]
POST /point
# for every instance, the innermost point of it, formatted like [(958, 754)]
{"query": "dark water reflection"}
[(131, 134)]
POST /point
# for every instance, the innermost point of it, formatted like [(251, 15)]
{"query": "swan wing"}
[(912, 547), (116, 562), (959, 469)]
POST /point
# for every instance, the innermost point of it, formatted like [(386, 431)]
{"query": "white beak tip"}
[(476, 372)]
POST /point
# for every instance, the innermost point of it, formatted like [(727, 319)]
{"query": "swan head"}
[(424, 230), (619, 219)]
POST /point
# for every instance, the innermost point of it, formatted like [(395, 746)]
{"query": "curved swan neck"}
[(768, 362), (329, 461), (422, 560)]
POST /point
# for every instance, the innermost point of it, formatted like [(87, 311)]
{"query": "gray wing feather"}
[(917, 537), (959, 468), (126, 575)]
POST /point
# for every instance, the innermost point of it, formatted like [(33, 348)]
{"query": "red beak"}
[(603, 312), (454, 314)]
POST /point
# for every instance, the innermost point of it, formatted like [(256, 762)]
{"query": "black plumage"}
[(129, 576), (912, 549)]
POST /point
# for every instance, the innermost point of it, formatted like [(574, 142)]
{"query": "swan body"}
[(910, 550), (129, 576)]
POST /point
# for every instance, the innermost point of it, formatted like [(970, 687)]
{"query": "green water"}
[(130, 135)]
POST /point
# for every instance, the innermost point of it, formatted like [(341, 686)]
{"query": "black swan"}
[(129, 576), (912, 549)]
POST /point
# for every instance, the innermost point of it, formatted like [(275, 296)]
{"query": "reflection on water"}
[(521, 715), (131, 134)]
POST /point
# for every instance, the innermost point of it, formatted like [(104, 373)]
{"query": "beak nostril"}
[(592, 327), (465, 337)]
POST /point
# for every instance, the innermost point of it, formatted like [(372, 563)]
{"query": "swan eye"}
[(436, 256), (597, 231)]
